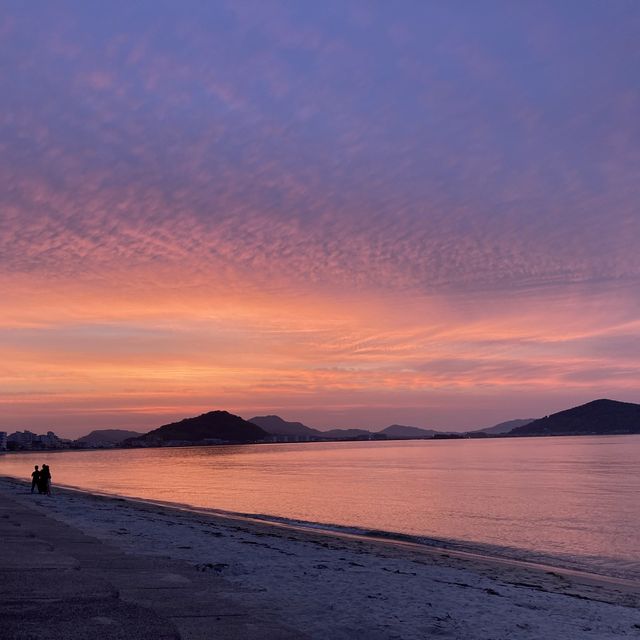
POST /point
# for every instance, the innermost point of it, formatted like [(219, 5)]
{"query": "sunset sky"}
[(346, 213)]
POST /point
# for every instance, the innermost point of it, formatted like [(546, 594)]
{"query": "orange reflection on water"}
[(572, 498)]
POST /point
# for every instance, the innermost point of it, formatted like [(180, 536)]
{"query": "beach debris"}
[(218, 567), (404, 573)]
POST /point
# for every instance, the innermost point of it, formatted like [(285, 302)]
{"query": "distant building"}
[(22, 438), (29, 440), (3, 440), (50, 441)]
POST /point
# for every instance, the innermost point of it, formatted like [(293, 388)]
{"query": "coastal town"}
[(29, 441)]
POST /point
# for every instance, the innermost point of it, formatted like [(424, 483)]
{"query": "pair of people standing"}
[(41, 480)]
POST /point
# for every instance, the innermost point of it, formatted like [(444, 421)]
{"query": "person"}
[(45, 480), (35, 479)]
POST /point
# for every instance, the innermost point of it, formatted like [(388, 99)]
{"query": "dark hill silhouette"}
[(504, 427), (403, 431), (107, 436), (276, 426), (215, 425), (599, 417)]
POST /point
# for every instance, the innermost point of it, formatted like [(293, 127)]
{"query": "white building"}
[(50, 440), (30, 440), (23, 438)]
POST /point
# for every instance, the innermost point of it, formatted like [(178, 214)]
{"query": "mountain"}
[(504, 427), (276, 426), (107, 436), (402, 431), (215, 425), (597, 417)]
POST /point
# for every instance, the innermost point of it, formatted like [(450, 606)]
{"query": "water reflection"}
[(569, 496)]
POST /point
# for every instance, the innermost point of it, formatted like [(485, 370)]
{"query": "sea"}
[(572, 502)]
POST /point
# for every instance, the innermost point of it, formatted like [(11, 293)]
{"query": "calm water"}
[(571, 500)]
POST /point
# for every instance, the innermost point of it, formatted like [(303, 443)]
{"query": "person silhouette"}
[(35, 479), (45, 480)]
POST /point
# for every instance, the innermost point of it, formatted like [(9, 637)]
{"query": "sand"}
[(339, 586)]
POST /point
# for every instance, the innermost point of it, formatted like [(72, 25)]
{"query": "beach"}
[(322, 584)]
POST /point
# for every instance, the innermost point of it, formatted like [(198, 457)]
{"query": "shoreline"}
[(460, 549), (411, 543), (324, 582), (327, 441)]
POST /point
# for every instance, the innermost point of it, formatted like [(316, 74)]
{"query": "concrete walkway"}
[(58, 584)]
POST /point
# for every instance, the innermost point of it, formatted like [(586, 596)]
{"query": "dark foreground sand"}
[(57, 583), (209, 576)]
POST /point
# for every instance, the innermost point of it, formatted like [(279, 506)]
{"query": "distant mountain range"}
[(402, 431), (504, 427), (600, 417), (272, 425), (597, 417), (276, 426), (215, 426), (107, 437)]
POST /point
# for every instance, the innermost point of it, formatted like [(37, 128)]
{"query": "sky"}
[(347, 213)]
